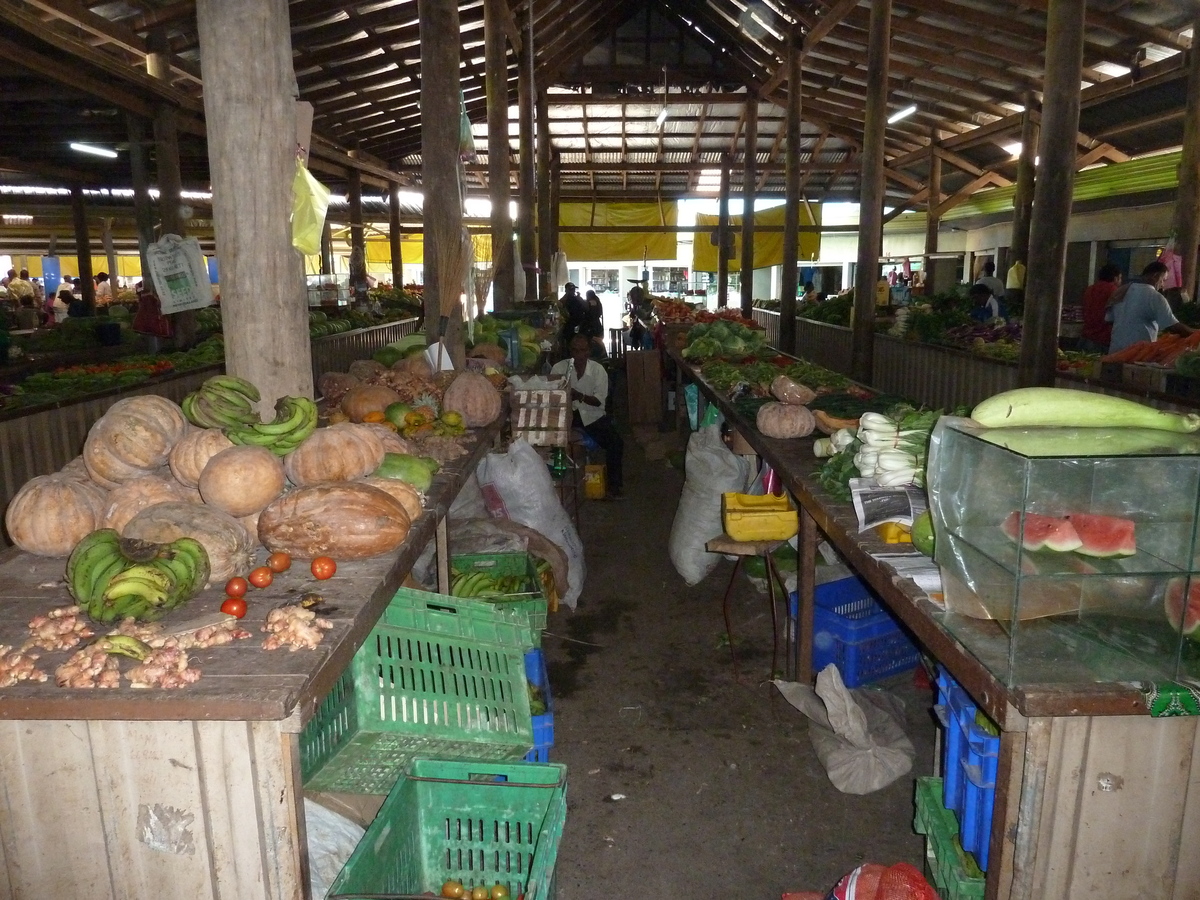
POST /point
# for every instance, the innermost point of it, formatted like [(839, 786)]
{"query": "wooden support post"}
[(394, 235), (871, 196), (555, 203), (83, 249), (358, 238), (545, 230), (110, 251), (440, 118), (791, 216), (749, 179), (1023, 200), (326, 248), (166, 168), (932, 220), (246, 59), (1052, 193), (143, 208), (1187, 201), (723, 235), (496, 73), (527, 197)]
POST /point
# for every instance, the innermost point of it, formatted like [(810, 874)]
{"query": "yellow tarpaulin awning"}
[(615, 246), (768, 245), (127, 266)]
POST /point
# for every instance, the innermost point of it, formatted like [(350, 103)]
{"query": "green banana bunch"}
[(223, 401), (295, 419), (113, 578)]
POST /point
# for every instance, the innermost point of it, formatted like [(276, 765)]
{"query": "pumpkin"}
[(415, 364), (132, 439), (127, 500), (473, 397), (364, 369), (409, 496), (76, 470), (189, 457), (333, 386), (784, 420), (367, 398), (50, 514), (230, 550), (491, 352), (392, 442), (250, 523), (785, 390), (345, 521), (337, 453), (242, 480)]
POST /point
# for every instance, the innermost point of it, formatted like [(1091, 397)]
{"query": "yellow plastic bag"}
[(310, 202)]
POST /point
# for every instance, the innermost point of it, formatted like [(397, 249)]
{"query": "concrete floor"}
[(723, 794)]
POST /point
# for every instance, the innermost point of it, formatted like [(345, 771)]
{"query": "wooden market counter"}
[(1095, 799), (189, 793)]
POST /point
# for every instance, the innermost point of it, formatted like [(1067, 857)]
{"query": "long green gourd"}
[(1030, 407)]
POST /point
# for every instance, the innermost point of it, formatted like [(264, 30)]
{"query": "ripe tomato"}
[(234, 606), (323, 567), (262, 577), (279, 562), (237, 587)]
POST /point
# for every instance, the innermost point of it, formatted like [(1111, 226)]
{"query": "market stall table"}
[(187, 793), (1092, 794)]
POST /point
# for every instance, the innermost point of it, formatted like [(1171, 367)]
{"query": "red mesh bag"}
[(876, 882)]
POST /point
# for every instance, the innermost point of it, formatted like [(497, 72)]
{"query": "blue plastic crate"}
[(543, 726), (852, 631), (970, 764)]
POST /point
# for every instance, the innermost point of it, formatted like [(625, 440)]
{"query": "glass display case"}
[(1069, 555), (328, 290)]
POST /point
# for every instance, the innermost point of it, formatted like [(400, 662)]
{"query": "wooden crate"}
[(643, 371), (542, 417)]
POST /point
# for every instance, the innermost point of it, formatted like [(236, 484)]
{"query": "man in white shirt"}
[(1138, 311), (588, 383), (989, 278)]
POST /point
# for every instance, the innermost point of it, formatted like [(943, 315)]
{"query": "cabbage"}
[(719, 331), (734, 346), (697, 331)]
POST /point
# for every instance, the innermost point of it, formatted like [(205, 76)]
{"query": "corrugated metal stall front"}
[(826, 345), (769, 320), (936, 376)]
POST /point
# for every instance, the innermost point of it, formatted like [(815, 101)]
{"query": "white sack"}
[(858, 735), (711, 470), (516, 485), (331, 839)]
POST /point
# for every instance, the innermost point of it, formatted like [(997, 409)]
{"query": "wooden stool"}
[(742, 549)]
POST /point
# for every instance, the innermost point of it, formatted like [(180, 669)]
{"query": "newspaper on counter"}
[(875, 505)]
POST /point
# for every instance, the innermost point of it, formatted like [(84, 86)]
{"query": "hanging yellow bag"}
[(310, 202)]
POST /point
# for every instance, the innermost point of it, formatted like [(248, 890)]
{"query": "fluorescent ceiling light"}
[(1014, 150), (662, 117), (901, 114), (16, 219), (94, 151)]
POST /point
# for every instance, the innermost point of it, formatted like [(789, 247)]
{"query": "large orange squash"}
[(52, 513), (367, 398), (473, 397), (408, 495), (132, 439), (345, 521), (189, 457), (127, 500), (337, 453), (242, 480), (230, 550)]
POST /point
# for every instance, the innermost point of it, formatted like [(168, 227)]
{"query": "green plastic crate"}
[(476, 823), (407, 693), (495, 623), (534, 606), (956, 876)]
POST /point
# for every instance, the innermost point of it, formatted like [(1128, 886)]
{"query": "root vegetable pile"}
[(165, 667), (295, 628), (59, 629), (90, 667), (18, 665)]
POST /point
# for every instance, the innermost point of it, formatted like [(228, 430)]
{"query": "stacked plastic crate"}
[(970, 759), (436, 710)]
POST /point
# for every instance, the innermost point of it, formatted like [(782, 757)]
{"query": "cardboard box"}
[(1150, 378), (644, 374)]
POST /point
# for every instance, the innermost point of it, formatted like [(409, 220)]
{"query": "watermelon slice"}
[(1041, 532), (1184, 618), (1104, 536)]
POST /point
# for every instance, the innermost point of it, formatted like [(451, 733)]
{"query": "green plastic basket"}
[(533, 607), (496, 623), (407, 693), (475, 823), (955, 874)]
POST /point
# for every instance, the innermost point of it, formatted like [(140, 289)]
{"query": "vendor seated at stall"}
[(589, 390), (27, 317), (984, 306)]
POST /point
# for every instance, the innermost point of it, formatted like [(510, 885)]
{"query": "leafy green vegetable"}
[(835, 473)]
